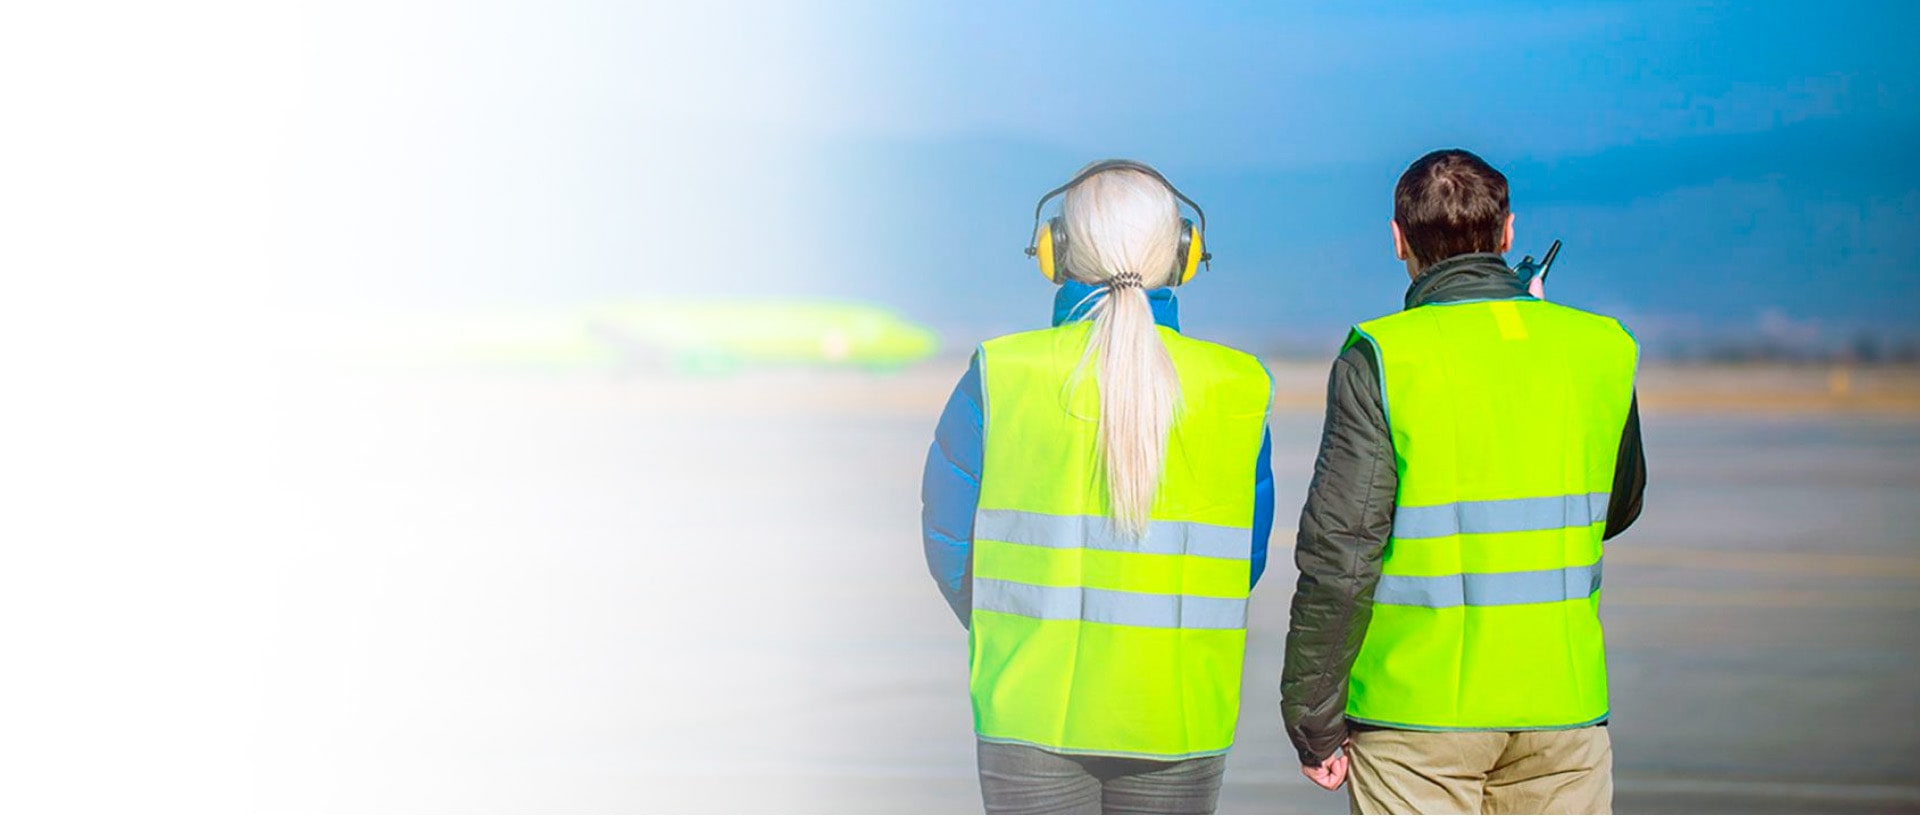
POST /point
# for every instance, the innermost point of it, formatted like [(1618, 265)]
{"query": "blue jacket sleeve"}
[(1262, 506), (950, 492)]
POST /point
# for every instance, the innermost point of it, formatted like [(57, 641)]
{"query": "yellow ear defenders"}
[(1049, 245)]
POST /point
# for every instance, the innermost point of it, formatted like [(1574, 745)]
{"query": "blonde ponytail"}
[(1122, 227)]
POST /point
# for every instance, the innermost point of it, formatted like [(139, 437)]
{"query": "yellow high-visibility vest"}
[(1084, 639), (1506, 418)]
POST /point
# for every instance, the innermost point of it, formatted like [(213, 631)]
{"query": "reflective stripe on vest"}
[(1499, 516), (1084, 639), (1109, 606), (1506, 419), (1096, 532), (1489, 588)]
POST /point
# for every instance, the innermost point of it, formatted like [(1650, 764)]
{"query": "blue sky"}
[(1715, 169)]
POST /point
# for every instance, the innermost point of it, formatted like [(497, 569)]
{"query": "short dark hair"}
[(1450, 202)]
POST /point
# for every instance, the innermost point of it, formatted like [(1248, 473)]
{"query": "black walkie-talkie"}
[(1528, 270)]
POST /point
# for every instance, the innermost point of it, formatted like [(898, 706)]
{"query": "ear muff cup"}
[(1050, 248), (1192, 250)]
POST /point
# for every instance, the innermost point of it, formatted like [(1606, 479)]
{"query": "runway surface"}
[(576, 595)]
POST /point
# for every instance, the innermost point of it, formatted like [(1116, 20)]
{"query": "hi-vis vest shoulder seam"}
[(1085, 639), (1505, 417)]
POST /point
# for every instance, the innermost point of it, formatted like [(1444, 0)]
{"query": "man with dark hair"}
[(1449, 203), (1479, 446)]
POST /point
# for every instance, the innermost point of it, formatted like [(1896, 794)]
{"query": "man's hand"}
[(1329, 774)]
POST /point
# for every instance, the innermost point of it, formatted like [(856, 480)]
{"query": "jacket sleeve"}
[(1262, 506), (1343, 531), (950, 492), (1629, 476)]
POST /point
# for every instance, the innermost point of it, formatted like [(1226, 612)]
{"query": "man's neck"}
[(1474, 276)]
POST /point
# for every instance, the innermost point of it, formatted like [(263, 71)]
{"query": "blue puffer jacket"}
[(950, 486)]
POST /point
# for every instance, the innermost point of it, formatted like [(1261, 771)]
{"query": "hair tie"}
[(1124, 280)]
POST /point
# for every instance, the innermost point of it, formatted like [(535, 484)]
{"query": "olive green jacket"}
[(1349, 514)]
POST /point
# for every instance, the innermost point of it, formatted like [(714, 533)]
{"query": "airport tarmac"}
[(568, 595)]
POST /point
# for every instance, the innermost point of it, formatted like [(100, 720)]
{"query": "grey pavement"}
[(571, 597)]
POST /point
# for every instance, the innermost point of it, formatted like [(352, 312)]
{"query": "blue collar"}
[(1075, 299)]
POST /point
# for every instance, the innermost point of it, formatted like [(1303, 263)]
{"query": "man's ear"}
[(1400, 241), (1506, 236)]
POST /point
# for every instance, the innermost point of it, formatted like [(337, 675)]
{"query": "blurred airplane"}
[(687, 337)]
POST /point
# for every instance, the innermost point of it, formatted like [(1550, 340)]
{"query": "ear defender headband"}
[(1049, 245)]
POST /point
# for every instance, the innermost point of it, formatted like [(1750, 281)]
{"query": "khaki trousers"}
[(1567, 771)]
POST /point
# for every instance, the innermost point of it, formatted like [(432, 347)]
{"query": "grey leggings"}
[(1024, 779)]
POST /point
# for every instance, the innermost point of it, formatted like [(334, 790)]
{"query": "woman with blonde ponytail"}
[(1128, 226), (1096, 507)]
